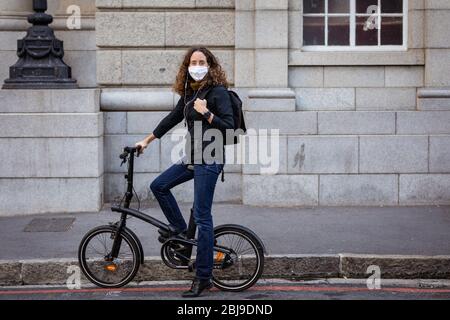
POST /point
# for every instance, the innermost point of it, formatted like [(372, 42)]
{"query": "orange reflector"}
[(111, 267), (220, 256)]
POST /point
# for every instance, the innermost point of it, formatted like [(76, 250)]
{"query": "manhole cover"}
[(49, 225)]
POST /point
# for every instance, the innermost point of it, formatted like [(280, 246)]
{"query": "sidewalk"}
[(299, 241)]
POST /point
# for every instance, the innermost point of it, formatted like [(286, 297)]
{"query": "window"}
[(354, 24)]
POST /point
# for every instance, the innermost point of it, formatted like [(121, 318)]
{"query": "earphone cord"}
[(185, 104)]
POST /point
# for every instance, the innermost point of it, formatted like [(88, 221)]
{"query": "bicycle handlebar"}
[(128, 150)]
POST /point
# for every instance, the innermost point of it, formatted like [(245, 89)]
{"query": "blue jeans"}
[(205, 178)]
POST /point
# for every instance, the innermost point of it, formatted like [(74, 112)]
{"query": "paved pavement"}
[(331, 289), (418, 230)]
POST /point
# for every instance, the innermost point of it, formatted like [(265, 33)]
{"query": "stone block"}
[(36, 125), (266, 156), (53, 157), (306, 77), (367, 76), (271, 29), (356, 122), (424, 189), (130, 29), (245, 29), (437, 68), (43, 195), (286, 122), (271, 68), (280, 190), (436, 30), (338, 99), (440, 154), (185, 29), (322, 154), (384, 99), (83, 66), (109, 66), (245, 63), (404, 76), (358, 190), (393, 154), (50, 101), (423, 122), (115, 122)]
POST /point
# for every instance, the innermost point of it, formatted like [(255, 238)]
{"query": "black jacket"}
[(218, 102)]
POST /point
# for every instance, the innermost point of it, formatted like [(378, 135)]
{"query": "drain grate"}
[(49, 225)]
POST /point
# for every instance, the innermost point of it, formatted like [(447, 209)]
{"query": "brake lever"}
[(123, 161)]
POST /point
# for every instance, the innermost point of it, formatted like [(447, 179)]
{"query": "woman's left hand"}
[(200, 106)]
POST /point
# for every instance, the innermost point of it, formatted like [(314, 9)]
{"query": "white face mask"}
[(198, 72)]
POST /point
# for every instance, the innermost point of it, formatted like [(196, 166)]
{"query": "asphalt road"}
[(266, 290)]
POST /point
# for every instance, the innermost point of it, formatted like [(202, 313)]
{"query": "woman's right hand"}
[(143, 144)]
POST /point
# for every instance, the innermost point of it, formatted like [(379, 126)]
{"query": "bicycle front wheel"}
[(242, 268), (97, 264)]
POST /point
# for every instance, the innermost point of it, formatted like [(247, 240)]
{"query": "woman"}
[(199, 73)]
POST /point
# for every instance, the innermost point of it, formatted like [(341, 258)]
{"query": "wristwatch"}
[(207, 114)]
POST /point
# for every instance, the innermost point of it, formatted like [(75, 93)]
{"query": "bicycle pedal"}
[(162, 239)]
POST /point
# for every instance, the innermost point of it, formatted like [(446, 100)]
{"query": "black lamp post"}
[(40, 64)]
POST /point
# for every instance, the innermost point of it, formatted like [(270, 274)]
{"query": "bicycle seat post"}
[(190, 234), (192, 226)]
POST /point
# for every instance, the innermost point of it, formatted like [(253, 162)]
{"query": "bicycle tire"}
[(259, 251), (108, 229)]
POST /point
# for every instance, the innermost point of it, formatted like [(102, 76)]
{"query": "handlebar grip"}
[(128, 150)]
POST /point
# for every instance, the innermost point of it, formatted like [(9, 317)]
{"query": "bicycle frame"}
[(126, 210)]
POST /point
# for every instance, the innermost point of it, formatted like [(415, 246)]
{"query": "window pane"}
[(338, 31), (391, 6), (313, 31), (339, 6), (314, 6), (366, 31), (365, 6), (391, 31)]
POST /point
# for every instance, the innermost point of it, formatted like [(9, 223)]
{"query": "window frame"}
[(352, 16)]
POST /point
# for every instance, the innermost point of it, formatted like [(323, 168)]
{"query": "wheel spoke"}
[(104, 272), (245, 267), (90, 246)]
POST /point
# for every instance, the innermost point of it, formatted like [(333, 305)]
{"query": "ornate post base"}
[(40, 64)]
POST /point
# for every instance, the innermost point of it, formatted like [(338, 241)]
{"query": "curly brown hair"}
[(216, 74)]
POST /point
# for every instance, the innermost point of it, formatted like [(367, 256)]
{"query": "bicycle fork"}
[(117, 238)]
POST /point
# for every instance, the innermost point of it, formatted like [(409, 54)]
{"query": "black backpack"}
[(238, 115)]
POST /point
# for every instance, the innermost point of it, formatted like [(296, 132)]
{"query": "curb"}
[(56, 271)]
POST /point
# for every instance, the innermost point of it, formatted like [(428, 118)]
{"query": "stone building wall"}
[(52, 140), (140, 48), (356, 128)]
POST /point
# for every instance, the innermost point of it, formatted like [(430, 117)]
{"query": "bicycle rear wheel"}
[(96, 263), (242, 268)]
